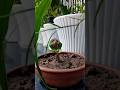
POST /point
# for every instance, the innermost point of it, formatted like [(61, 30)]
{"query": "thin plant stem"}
[(78, 26), (97, 12), (36, 63), (3, 77), (50, 39), (28, 49), (40, 72)]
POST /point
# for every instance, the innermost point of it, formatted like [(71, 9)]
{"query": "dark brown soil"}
[(22, 79), (61, 61), (96, 78), (101, 79)]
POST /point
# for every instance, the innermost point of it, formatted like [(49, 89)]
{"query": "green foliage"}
[(57, 8), (3, 77), (80, 8), (55, 45), (41, 8), (65, 10), (54, 8), (53, 11), (5, 9), (0, 87)]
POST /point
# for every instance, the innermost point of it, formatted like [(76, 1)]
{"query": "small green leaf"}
[(55, 44)]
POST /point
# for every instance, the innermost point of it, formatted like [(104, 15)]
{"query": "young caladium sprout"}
[(55, 45)]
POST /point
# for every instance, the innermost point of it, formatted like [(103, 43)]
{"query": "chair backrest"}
[(72, 35)]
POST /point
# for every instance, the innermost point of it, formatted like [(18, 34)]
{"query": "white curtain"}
[(20, 31), (103, 42), (21, 26)]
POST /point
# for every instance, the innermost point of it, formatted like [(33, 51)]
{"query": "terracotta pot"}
[(62, 77), (21, 72)]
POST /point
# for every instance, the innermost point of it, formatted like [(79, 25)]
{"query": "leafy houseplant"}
[(53, 11), (55, 45), (5, 7), (44, 69), (58, 67), (48, 55)]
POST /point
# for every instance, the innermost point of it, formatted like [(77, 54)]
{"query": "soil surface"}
[(22, 79), (97, 78), (61, 61)]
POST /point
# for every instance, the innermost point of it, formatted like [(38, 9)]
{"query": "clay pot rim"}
[(62, 70), (116, 71), (19, 67)]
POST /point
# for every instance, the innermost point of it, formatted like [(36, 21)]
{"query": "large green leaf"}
[(40, 10), (5, 8)]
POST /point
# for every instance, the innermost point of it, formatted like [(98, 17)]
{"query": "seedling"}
[(55, 45)]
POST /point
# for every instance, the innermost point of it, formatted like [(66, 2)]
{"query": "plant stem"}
[(49, 40), (28, 48), (40, 73), (97, 11), (3, 77)]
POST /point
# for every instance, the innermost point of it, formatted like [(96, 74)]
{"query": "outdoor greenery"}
[(57, 9)]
